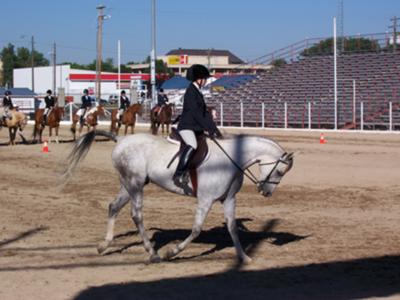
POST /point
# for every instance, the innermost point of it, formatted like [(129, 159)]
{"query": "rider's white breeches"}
[(189, 137)]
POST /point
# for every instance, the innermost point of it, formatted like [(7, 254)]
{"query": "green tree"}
[(161, 67), (351, 45), (278, 62), (23, 58), (9, 59), (39, 59)]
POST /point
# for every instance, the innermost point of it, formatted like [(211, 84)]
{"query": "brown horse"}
[(90, 121), (17, 121), (128, 118), (164, 117), (52, 121)]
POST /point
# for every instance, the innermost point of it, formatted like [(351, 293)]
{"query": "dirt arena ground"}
[(330, 231)]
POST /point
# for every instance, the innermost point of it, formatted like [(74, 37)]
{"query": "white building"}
[(74, 81)]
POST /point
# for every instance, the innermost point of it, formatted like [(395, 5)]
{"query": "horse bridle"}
[(249, 174)]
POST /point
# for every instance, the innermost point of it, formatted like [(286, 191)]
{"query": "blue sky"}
[(247, 28)]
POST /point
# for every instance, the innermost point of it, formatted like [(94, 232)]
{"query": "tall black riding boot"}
[(180, 177)]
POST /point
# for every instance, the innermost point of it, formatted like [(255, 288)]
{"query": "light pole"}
[(100, 19), (335, 73), (153, 52)]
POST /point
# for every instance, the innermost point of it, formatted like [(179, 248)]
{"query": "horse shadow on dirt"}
[(343, 280), (22, 236), (340, 280), (217, 236)]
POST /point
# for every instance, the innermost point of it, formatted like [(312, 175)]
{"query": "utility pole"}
[(33, 64), (54, 68), (394, 26), (100, 19), (153, 53)]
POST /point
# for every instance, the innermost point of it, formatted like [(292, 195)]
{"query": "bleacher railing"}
[(294, 51)]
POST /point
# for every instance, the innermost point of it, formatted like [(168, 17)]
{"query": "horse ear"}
[(289, 156)]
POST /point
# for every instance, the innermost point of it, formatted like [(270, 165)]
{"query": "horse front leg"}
[(57, 141), (10, 133), (137, 217), (80, 130), (50, 133), (202, 210), (113, 209), (229, 212)]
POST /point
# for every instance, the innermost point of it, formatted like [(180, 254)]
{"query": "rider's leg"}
[(46, 110), (120, 113), (82, 115), (180, 177)]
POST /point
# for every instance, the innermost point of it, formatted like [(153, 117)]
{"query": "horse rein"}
[(249, 174)]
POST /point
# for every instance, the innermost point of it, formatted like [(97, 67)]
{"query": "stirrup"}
[(181, 181)]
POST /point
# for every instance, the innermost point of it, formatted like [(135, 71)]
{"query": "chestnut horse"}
[(90, 121), (128, 118), (53, 121), (164, 117), (17, 121)]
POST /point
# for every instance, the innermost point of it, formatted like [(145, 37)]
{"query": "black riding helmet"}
[(49, 92), (7, 93), (86, 91), (197, 72), (123, 92)]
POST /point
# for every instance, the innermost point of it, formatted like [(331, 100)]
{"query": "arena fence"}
[(308, 116)]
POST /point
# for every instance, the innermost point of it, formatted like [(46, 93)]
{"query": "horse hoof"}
[(169, 254), (245, 260), (102, 247), (155, 259)]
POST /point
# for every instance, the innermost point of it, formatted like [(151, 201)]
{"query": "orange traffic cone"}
[(322, 139), (45, 147)]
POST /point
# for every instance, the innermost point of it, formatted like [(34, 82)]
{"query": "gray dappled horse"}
[(143, 158)]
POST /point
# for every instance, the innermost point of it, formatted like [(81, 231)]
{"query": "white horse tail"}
[(81, 148)]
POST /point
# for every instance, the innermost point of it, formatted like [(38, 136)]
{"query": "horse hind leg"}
[(137, 217), (202, 210), (113, 209)]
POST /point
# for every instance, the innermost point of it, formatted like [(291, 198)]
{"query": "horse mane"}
[(239, 136)]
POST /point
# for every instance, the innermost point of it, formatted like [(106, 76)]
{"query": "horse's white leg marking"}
[(113, 209), (203, 208), (137, 216), (229, 212), (57, 135)]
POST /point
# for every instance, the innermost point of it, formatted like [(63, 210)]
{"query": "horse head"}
[(136, 108), (100, 110), (272, 173), (60, 112)]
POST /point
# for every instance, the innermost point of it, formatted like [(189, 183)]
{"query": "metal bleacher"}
[(309, 81)]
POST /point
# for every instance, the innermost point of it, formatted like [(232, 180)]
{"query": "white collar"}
[(197, 86)]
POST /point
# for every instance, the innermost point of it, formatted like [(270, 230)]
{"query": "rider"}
[(8, 105), (85, 106), (50, 103), (194, 120), (162, 100), (124, 104)]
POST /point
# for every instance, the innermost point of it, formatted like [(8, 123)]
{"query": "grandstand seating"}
[(230, 81), (377, 81)]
